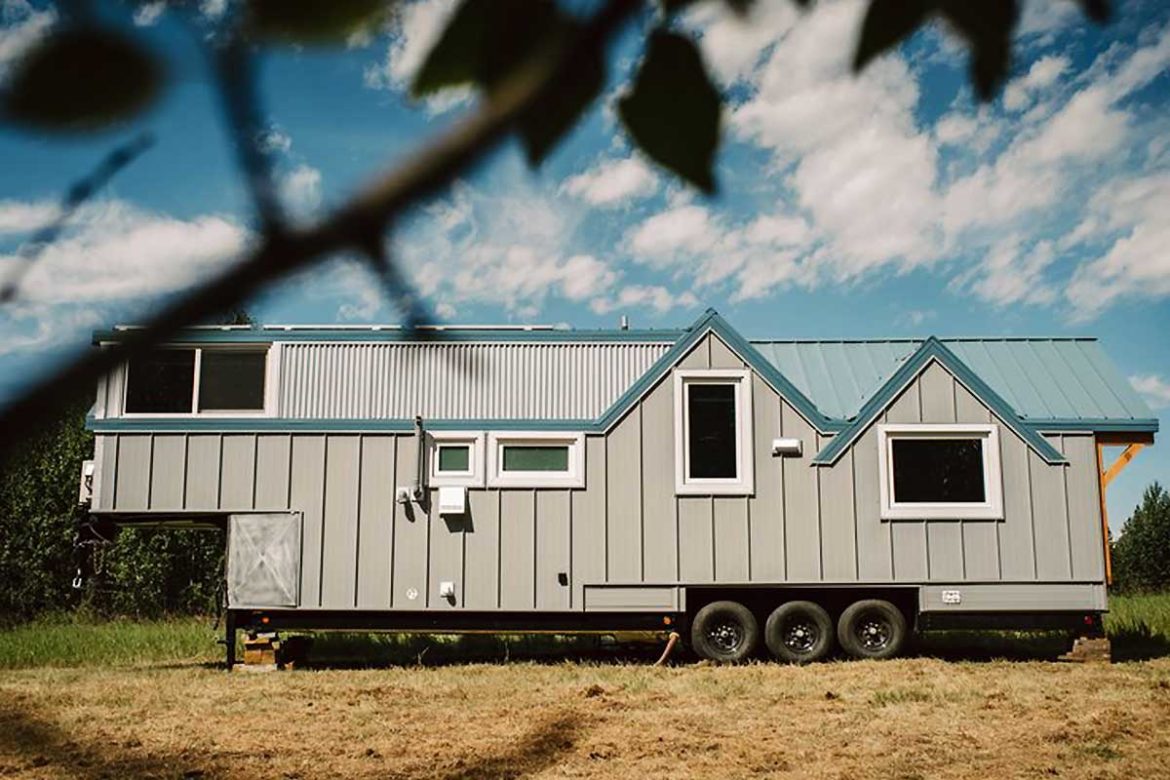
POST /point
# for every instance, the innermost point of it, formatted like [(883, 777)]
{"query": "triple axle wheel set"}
[(798, 631)]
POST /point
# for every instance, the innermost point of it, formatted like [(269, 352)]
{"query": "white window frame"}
[(574, 477), (992, 506), (474, 477), (744, 482), (271, 363)]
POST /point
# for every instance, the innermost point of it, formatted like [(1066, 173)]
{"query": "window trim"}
[(472, 478), (269, 393), (573, 478), (744, 483), (991, 508)]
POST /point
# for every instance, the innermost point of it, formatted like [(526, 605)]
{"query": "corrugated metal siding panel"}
[(1039, 378), (446, 381)]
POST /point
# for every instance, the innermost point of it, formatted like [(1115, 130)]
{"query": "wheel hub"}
[(873, 633), (800, 636), (726, 636)]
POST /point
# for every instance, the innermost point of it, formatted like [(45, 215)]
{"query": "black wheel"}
[(799, 632), (872, 629), (725, 631)]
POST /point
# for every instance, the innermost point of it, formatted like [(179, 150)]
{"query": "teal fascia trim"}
[(298, 425), (394, 335), (933, 349), (1083, 425), (711, 322)]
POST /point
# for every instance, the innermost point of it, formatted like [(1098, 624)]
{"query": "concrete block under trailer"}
[(609, 480)]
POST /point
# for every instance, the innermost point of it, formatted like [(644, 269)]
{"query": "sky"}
[(889, 204)]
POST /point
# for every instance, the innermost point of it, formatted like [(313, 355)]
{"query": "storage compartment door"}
[(264, 560)]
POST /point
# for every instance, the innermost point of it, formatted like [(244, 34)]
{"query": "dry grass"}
[(915, 718)]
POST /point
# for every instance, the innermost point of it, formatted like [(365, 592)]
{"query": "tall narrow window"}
[(161, 382), (940, 472), (713, 443)]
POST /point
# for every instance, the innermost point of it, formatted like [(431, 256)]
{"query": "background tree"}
[(1141, 555)]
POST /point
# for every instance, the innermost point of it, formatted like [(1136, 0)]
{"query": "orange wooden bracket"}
[(1107, 476)]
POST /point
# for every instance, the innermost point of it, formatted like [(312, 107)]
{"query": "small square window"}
[(454, 458), (231, 380)]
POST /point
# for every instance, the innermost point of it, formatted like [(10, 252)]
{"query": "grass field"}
[(145, 700)]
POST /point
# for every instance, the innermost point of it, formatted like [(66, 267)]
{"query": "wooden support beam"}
[(1107, 476), (1122, 461)]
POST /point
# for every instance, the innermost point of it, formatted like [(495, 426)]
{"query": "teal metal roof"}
[(1065, 380)]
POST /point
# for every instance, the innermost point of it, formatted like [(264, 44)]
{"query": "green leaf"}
[(988, 27), (313, 21), (673, 111), (487, 39), (557, 109), (79, 79), (887, 23)]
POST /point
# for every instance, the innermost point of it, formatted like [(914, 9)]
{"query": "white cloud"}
[(301, 188), (1042, 19), (614, 182), (674, 234), (1044, 72), (414, 30), (635, 296), (148, 14), (40, 327), (733, 45), (18, 217), (1012, 273), (274, 140), (118, 252), (21, 25), (1153, 388), (861, 169), (584, 276)]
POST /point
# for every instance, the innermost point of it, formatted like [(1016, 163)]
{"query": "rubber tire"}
[(718, 612), (774, 632), (847, 634)]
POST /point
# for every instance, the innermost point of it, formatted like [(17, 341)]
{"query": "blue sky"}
[(887, 205)]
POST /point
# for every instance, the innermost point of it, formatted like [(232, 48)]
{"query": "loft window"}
[(197, 380), (231, 380), (713, 444), (456, 459), (536, 459), (940, 472), (161, 382)]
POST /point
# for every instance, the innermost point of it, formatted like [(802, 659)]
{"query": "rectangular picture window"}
[(231, 380), (944, 471), (161, 382), (536, 458), (940, 472), (712, 432)]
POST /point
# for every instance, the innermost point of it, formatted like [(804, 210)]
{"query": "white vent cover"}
[(452, 500)]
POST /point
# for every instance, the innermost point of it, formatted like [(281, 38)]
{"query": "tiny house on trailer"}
[(795, 494)]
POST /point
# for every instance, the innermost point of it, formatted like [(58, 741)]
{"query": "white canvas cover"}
[(264, 560)]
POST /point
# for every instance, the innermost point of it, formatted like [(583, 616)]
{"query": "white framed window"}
[(713, 432), (456, 459), (219, 381), (940, 472), (536, 459)]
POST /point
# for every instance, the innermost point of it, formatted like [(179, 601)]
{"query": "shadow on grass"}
[(30, 742), (540, 749), (349, 651), (1138, 643)]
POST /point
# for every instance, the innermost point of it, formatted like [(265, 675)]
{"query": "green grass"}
[(78, 642), (1139, 626)]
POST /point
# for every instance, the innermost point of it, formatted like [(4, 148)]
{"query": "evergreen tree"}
[(1141, 556)]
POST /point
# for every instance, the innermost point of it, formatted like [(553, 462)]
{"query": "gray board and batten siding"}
[(625, 540)]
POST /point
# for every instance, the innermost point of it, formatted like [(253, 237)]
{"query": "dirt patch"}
[(917, 718)]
